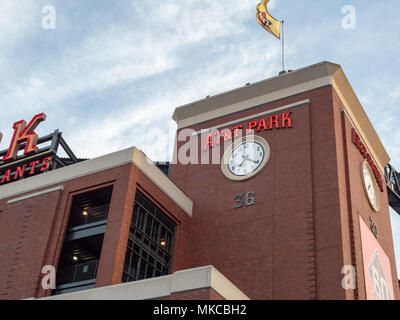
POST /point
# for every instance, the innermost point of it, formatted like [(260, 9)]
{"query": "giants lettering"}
[(45, 164), (21, 170), (24, 133), (19, 173), (6, 177)]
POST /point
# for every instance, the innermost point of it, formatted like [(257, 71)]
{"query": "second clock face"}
[(246, 158), (370, 186)]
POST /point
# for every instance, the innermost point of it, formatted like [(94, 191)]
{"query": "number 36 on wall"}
[(249, 200)]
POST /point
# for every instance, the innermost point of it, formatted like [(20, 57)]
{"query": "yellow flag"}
[(268, 22)]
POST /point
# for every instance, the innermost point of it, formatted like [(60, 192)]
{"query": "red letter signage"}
[(22, 133), (363, 150), (275, 121)]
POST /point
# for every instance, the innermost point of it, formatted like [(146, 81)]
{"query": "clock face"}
[(370, 187), (245, 158)]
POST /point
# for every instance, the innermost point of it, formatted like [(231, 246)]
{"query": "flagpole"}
[(283, 46)]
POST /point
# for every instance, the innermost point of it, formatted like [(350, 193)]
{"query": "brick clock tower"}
[(286, 178)]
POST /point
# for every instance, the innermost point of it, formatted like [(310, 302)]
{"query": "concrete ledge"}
[(103, 163), (283, 86), (253, 116), (152, 172), (68, 173), (266, 91), (36, 194), (154, 288)]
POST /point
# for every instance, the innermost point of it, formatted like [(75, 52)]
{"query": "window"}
[(90, 207), (150, 243), (83, 241)]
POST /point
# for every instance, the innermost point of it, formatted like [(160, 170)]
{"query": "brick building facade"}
[(284, 233)]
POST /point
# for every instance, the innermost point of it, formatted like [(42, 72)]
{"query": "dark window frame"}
[(145, 256)]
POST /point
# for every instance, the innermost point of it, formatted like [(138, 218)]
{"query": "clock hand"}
[(243, 161)]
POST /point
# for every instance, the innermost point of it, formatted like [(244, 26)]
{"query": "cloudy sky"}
[(121, 67)]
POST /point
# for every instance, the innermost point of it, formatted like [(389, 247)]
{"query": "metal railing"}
[(77, 273), (89, 215), (393, 187)]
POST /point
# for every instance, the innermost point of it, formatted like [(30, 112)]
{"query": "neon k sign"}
[(24, 133), (34, 161), (38, 156)]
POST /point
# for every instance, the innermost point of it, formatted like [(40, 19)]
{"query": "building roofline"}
[(286, 85), (255, 89), (160, 287), (113, 160), (358, 117)]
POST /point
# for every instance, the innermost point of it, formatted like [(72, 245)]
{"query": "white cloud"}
[(15, 17), (155, 41), (16, 23), (133, 123), (381, 100), (122, 54)]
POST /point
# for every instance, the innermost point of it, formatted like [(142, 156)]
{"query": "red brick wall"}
[(291, 244), (359, 206), (270, 250), (49, 214), (32, 231), (25, 230), (117, 231), (294, 242)]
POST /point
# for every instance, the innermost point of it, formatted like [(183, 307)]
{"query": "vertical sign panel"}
[(377, 272)]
